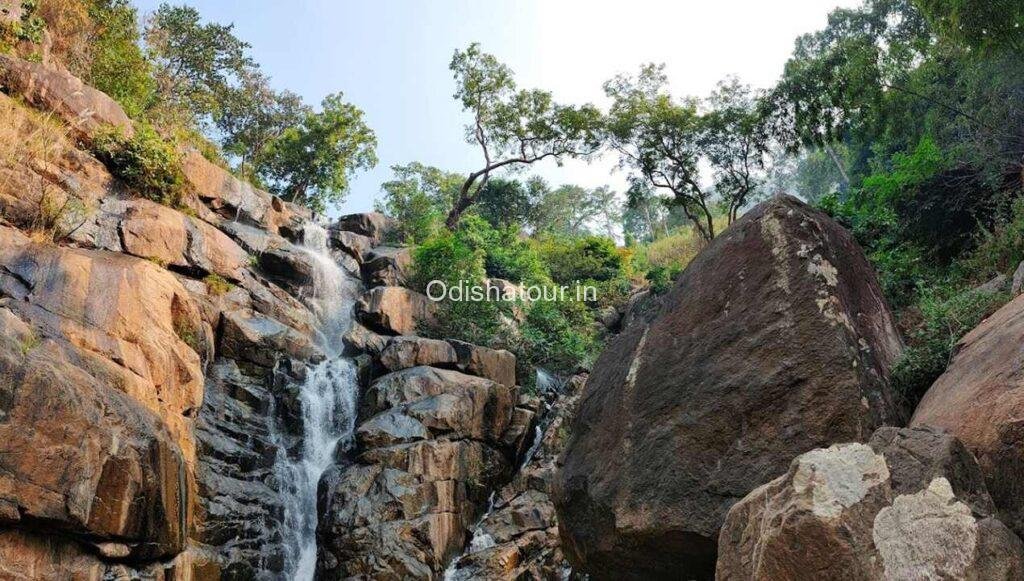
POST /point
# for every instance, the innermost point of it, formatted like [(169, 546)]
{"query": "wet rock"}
[(287, 265), (519, 538), (775, 340), (911, 504), (246, 336), (374, 225), (395, 310), (82, 107), (361, 339), (979, 400)]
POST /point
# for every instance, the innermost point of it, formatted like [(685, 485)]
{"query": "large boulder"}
[(374, 225), (153, 231), (83, 108), (395, 310), (911, 504), (775, 340), (980, 400), (387, 266)]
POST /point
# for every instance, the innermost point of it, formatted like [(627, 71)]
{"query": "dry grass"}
[(30, 141)]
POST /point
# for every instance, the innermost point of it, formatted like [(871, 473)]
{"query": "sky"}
[(390, 58)]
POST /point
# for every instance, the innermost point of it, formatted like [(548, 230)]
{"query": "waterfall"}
[(327, 399)]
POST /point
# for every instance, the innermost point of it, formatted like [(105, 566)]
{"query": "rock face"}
[(518, 538), (82, 107), (395, 310), (388, 266), (431, 444), (980, 400), (143, 404), (373, 225), (911, 504), (775, 340)]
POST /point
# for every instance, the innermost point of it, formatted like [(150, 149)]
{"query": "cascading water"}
[(327, 399)]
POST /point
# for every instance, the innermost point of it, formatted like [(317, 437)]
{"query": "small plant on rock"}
[(147, 164)]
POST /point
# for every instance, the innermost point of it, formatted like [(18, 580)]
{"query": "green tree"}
[(513, 127), (117, 65), (419, 197), (310, 163), (986, 25), (504, 202), (195, 63), (252, 115), (644, 215), (735, 142), (569, 210)]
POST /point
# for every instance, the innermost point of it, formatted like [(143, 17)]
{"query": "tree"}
[(419, 197), (986, 25), (195, 63), (310, 163), (513, 127), (253, 115), (644, 215), (504, 202), (735, 141), (569, 210), (658, 138)]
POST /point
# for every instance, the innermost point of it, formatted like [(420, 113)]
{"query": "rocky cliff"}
[(174, 381)]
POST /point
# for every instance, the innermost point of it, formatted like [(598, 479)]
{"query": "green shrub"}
[(216, 284), (662, 278), (446, 257), (29, 28), (1000, 249), (571, 260), (558, 335), (118, 66), (947, 316), (506, 255), (146, 163)]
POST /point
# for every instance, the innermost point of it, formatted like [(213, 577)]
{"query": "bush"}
[(661, 278), (558, 335), (1001, 249), (590, 258), (506, 255), (147, 164), (446, 257), (216, 284), (947, 316), (117, 64)]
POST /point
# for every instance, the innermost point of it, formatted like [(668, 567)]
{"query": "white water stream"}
[(328, 398)]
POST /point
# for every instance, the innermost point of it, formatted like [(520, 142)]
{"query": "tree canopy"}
[(513, 127)]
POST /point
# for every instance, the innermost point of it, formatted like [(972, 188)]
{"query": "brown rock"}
[(387, 266), (82, 107), (912, 504), (372, 224), (355, 245), (80, 456), (395, 310), (149, 230), (495, 364), (444, 401), (403, 352), (126, 321), (775, 340), (979, 400)]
